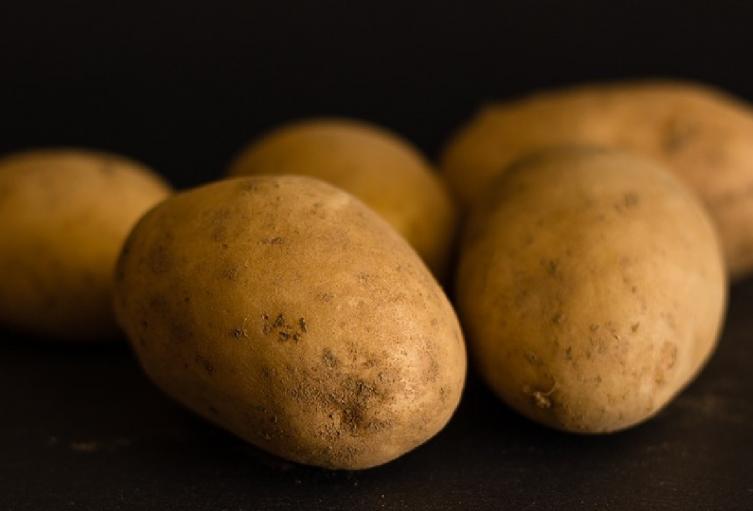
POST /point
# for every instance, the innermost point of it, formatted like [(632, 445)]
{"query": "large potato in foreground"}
[(286, 311), (591, 287), (381, 169), (64, 215), (703, 136)]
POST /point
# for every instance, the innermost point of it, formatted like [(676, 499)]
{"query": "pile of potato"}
[(297, 302)]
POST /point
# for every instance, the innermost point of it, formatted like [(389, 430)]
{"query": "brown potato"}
[(64, 215), (702, 135), (591, 287), (287, 312), (378, 167)]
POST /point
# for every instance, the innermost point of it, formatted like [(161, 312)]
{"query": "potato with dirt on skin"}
[(286, 311), (704, 136), (380, 168), (64, 215), (591, 287)]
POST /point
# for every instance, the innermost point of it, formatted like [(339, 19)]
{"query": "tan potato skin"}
[(287, 312), (591, 288), (64, 215), (702, 135), (378, 167)]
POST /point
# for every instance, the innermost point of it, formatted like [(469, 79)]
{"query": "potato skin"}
[(375, 165), (591, 288), (702, 135), (64, 215), (287, 312)]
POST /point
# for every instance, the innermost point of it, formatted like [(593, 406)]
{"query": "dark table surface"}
[(82, 428)]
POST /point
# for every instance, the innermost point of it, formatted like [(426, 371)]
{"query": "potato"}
[(704, 136), (287, 312), (64, 215), (591, 287), (376, 166)]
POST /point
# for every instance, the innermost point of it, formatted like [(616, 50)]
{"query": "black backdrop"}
[(182, 85)]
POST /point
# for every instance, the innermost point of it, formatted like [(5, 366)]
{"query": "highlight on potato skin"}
[(382, 169), (591, 288), (289, 313), (64, 215), (704, 136)]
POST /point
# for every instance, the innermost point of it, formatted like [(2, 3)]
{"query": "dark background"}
[(182, 85)]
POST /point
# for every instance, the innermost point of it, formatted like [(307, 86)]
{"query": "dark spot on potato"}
[(631, 199), (667, 360), (329, 358), (277, 240), (205, 364), (634, 327), (349, 402), (218, 223), (230, 273), (219, 234), (669, 318), (551, 266), (354, 400), (558, 318), (432, 372), (678, 135), (285, 330), (239, 332), (325, 297)]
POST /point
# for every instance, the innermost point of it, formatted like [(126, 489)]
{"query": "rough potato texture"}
[(381, 169), (287, 312), (64, 215), (591, 287), (703, 136)]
